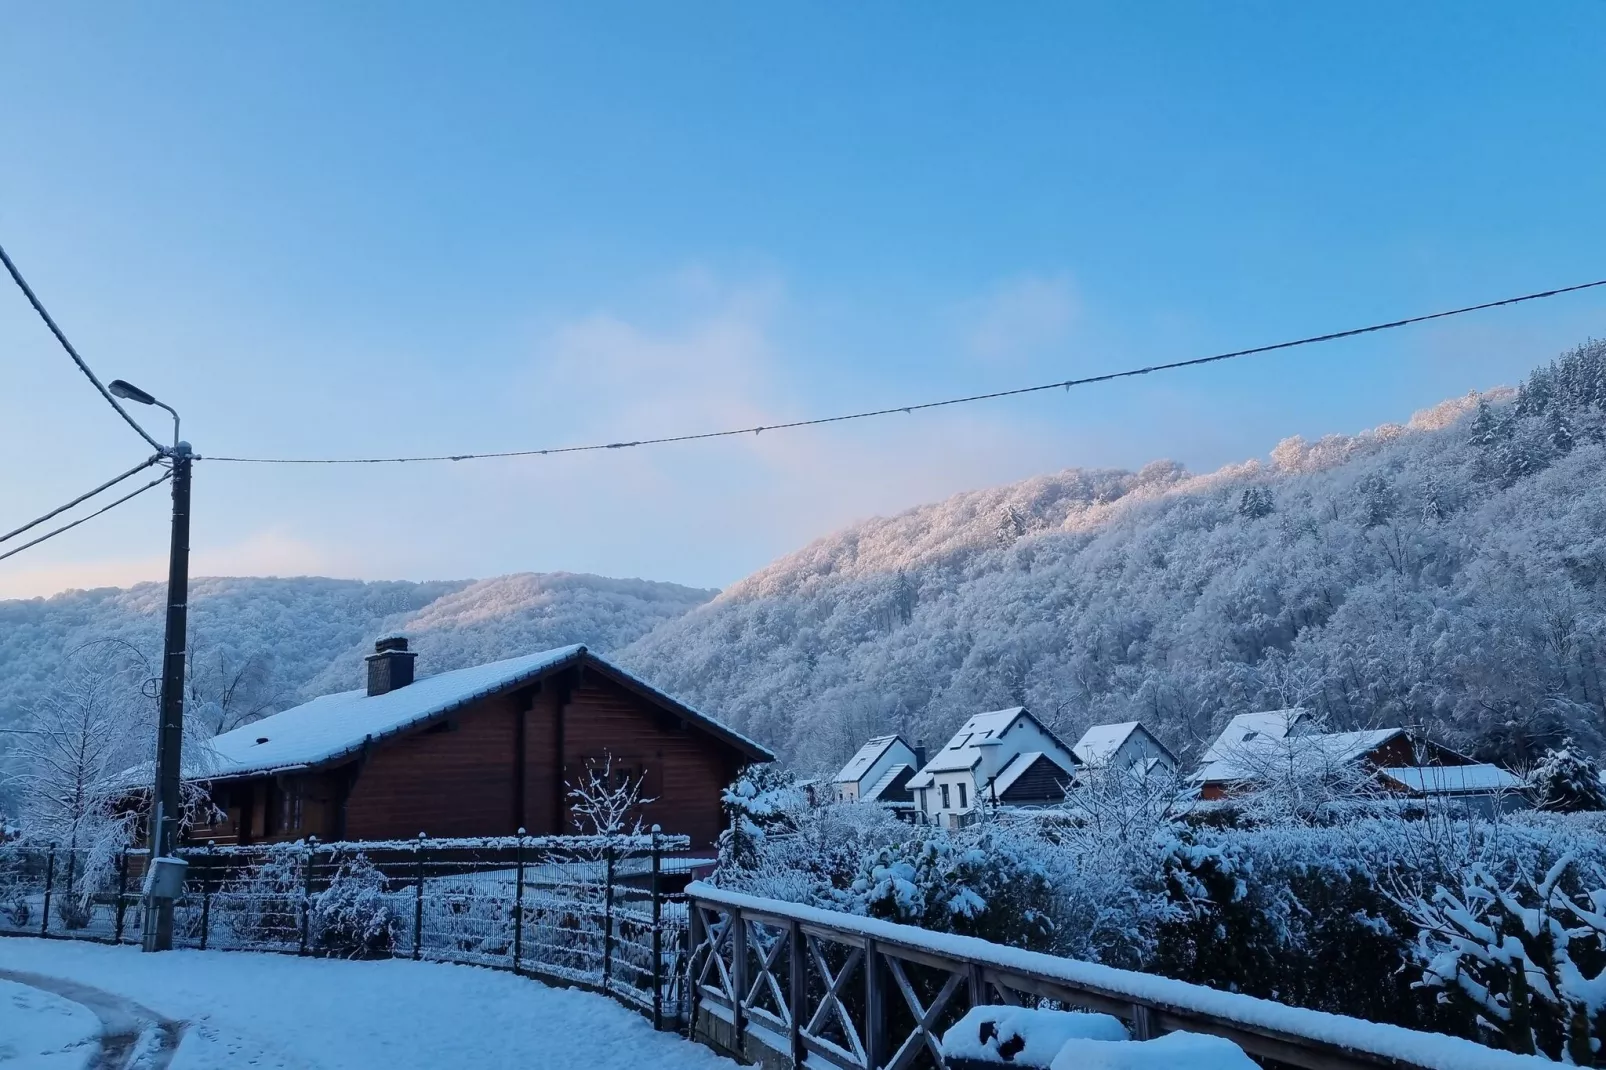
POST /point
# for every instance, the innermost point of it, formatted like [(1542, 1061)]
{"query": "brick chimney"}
[(920, 754), (390, 665)]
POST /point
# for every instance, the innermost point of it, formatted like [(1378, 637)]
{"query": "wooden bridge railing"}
[(785, 985)]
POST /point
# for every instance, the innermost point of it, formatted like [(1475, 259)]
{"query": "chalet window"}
[(962, 802), (945, 803)]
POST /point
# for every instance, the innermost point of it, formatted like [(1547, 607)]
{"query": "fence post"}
[(607, 923), (694, 945), (738, 933), (518, 907), (50, 880), (875, 1007), (306, 893), (657, 933), (798, 983), (122, 892), (418, 902), (72, 866), (206, 895)]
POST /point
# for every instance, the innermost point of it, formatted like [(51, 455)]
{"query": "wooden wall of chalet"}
[(468, 778)]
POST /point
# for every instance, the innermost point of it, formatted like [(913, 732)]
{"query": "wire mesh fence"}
[(591, 911)]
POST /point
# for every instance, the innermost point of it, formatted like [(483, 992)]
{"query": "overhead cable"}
[(82, 497), (1064, 384), (38, 306), (164, 477)]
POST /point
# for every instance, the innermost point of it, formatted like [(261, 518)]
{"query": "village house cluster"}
[(1008, 758)]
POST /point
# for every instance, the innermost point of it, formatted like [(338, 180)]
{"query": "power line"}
[(1064, 384), (39, 307), (82, 497), (164, 477)]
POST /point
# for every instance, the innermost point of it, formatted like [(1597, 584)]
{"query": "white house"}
[(1006, 757), (879, 772), (1124, 746)]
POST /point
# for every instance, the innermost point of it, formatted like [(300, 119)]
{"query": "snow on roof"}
[(868, 755), (1255, 755), (960, 751), (922, 779), (881, 786), (1099, 743), (332, 726), (1454, 779), (1247, 726)]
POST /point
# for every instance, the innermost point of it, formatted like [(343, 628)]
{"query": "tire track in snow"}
[(132, 1037)]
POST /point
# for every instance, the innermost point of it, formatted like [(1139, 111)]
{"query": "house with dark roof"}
[(480, 751), (1001, 758), (880, 772)]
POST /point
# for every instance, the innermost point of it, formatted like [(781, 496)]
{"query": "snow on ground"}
[(42, 1031), (275, 1011)]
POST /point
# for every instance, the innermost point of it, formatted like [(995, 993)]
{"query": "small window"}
[(960, 741), (962, 801), (945, 803)]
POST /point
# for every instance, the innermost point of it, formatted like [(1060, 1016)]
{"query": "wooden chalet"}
[(481, 751), (1248, 753)]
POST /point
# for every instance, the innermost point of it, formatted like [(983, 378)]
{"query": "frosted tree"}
[(1567, 781), (606, 800)]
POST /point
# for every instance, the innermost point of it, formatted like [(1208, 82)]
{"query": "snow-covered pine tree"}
[(1568, 781)]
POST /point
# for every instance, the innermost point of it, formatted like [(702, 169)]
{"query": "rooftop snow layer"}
[(860, 763), (881, 786), (1247, 726), (960, 751), (1454, 779), (1261, 755), (1099, 743), (335, 725)]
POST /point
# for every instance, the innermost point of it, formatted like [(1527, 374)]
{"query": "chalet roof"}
[(1246, 727), (1017, 768), (331, 727), (884, 784), (961, 751), (867, 756), (1101, 741), (1453, 779), (1254, 756)]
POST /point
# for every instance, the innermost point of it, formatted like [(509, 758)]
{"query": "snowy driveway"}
[(273, 1011)]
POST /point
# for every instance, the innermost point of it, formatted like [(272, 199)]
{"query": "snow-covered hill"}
[(1450, 572), (262, 644)]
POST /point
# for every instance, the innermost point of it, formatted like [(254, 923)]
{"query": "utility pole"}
[(158, 931), (164, 880)]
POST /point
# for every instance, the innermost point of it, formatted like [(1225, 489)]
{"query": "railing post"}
[(418, 901), (978, 985), (875, 1008), (306, 893), (798, 983), (50, 880), (657, 933), (738, 933), (206, 895), (607, 922), (694, 944), (518, 906), (122, 892), (1143, 1024)]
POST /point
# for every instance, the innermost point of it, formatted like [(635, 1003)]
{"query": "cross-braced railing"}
[(790, 985)]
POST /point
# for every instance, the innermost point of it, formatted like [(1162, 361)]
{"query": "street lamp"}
[(160, 887), (128, 391)]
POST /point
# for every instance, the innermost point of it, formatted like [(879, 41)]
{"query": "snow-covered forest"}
[(259, 645), (1449, 572)]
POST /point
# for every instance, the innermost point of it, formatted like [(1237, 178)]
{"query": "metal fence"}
[(596, 912)]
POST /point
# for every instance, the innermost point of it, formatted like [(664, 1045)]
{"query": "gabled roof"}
[(1256, 756), (333, 727), (1453, 779), (961, 753), (1100, 742), (1017, 768), (884, 784), (1246, 727), (867, 756)]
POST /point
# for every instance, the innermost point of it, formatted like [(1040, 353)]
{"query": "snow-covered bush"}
[(262, 906), (1568, 781), (355, 916), (980, 882), (762, 803), (1524, 954)]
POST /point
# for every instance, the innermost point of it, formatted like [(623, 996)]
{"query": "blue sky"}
[(323, 229)]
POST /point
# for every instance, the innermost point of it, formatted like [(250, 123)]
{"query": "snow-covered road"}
[(273, 1011)]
